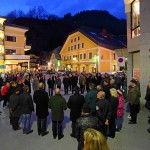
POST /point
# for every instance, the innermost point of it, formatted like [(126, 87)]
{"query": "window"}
[(78, 38), (10, 38), (80, 56), (64, 57), (78, 46), (90, 55), (68, 48), (70, 57), (71, 47), (135, 18), (84, 56), (10, 52), (114, 56), (71, 40), (74, 39), (82, 45), (74, 46)]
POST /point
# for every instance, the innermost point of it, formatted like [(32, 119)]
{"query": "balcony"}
[(27, 47), (17, 57)]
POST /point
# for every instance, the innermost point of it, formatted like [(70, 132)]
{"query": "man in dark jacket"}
[(103, 112), (75, 104), (41, 100), (84, 122), (106, 88), (15, 109), (26, 109), (74, 81), (133, 98), (66, 83), (57, 104), (27, 82), (50, 83)]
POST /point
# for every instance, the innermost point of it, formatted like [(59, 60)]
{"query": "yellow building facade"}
[(12, 47), (82, 53)]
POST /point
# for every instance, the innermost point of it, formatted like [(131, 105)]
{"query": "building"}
[(138, 35), (12, 46), (87, 50), (55, 60)]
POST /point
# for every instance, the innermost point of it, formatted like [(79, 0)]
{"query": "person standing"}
[(84, 122), (50, 83), (147, 104), (26, 109), (35, 84), (133, 98), (75, 104), (74, 81), (15, 109), (91, 98), (82, 82), (27, 82), (41, 100), (57, 104), (58, 82), (66, 83), (103, 112)]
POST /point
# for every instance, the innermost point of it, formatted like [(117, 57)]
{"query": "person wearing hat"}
[(15, 109), (75, 104), (84, 122), (133, 98)]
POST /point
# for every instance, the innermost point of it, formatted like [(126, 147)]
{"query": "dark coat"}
[(75, 104), (41, 100), (27, 82), (106, 89), (57, 104), (50, 83), (74, 80), (83, 123), (66, 81), (14, 105), (147, 96), (26, 103), (91, 99)]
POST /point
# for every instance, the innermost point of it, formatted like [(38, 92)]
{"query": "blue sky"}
[(61, 7)]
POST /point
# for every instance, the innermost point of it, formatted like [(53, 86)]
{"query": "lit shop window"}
[(135, 16), (10, 52)]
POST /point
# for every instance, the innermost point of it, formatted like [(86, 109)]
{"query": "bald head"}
[(41, 86), (57, 91)]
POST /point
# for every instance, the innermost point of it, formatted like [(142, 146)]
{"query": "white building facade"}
[(138, 35)]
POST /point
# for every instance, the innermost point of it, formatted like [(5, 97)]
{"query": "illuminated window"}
[(135, 18), (10, 38), (10, 52)]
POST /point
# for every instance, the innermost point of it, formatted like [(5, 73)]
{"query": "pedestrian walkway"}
[(132, 137)]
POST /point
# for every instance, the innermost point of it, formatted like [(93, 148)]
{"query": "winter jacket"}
[(91, 99), (120, 106), (57, 104), (41, 100), (84, 122), (50, 83), (75, 104), (4, 91), (26, 103), (14, 105)]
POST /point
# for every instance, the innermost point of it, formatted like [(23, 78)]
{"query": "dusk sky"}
[(61, 7)]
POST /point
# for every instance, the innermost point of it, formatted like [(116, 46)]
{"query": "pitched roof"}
[(17, 26), (111, 42), (56, 51)]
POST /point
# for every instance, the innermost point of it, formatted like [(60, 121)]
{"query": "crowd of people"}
[(96, 104)]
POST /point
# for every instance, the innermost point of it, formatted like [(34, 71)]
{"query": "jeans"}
[(50, 91), (119, 122), (26, 122)]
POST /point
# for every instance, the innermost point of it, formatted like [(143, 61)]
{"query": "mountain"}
[(46, 35)]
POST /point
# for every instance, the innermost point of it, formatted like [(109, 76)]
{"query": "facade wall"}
[(139, 47), (77, 58)]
